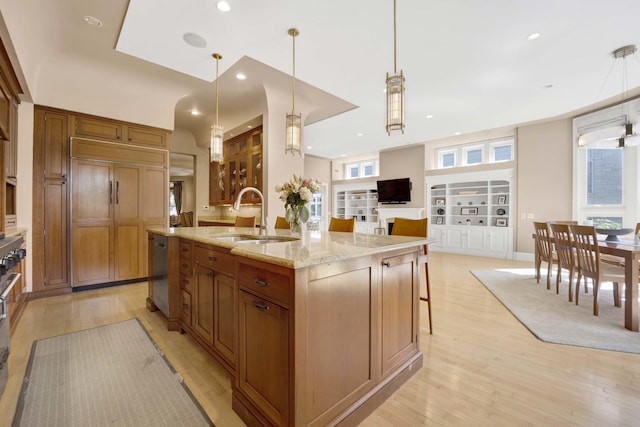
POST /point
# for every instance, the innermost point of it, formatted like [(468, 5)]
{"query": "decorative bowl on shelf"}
[(613, 233), (440, 211), (501, 212)]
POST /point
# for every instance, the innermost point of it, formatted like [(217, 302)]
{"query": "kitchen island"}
[(314, 330)]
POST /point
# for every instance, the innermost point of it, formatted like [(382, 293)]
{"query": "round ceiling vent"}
[(194, 40)]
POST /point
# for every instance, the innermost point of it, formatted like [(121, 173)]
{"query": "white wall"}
[(183, 142)]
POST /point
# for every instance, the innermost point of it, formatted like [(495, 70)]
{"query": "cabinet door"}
[(95, 128), (155, 195), (146, 136), (456, 238), (476, 237), (93, 191), (128, 255), (55, 145), (224, 288), (92, 253), (263, 359), (56, 247), (127, 192), (202, 304), (498, 240), (399, 334)]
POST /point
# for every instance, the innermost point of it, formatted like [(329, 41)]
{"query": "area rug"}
[(112, 375), (552, 318)]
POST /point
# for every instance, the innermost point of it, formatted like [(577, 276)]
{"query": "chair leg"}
[(558, 280), (571, 285), (549, 274), (578, 284), (596, 296), (538, 265), (428, 298)]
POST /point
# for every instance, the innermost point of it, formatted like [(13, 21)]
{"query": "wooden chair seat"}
[(545, 251), (418, 228)]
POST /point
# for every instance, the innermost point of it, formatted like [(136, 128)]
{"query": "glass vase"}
[(295, 224)]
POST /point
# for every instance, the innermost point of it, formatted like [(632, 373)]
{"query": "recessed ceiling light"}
[(223, 6), (195, 112), (344, 155), (92, 20), (457, 133), (308, 147), (194, 40), (533, 36), (240, 76), (360, 134), (429, 116), (549, 86)]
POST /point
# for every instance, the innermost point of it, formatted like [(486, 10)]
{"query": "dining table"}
[(629, 250)]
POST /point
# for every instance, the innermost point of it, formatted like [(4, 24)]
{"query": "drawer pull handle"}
[(260, 282), (212, 259), (259, 306), (210, 274), (386, 264)]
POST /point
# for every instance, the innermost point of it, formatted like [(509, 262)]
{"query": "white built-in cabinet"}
[(359, 201), (471, 212)]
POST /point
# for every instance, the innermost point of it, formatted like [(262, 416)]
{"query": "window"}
[(604, 176), (472, 155), (172, 204), (475, 154), (367, 168), (446, 159)]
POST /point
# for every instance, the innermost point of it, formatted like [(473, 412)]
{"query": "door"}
[(128, 237)]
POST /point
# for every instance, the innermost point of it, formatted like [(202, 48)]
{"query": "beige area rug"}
[(552, 318), (112, 375)]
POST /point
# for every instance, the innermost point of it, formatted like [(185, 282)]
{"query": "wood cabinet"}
[(242, 167), (109, 212), (110, 130), (51, 247), (208, 298)]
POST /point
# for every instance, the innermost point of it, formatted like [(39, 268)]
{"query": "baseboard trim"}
[(107, 284)]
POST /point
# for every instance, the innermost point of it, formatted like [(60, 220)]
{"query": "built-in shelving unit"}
[(358, 201), (471, 212)]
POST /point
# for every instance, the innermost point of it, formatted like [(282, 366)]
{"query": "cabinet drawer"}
[(185, 309), (186, 249), (216, 260), (264, 282), (186, 283), (186, 267)]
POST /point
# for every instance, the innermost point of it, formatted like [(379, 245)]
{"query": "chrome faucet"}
[(263, 221)]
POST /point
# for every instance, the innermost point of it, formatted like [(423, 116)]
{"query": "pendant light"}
[(217, 132), (395, 90), (293, 141)]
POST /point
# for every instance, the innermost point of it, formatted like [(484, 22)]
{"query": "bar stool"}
[(281, 222), (245, 221), (339, 224), (418, 228)]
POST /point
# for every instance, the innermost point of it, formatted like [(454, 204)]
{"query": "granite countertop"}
[(312, 248)]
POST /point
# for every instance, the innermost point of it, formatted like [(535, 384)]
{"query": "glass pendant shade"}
[(293, 140), (217, 135), (395, 102)]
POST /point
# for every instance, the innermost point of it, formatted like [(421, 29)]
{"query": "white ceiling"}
[(466, 62)]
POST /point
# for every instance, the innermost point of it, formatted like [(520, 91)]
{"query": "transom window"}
[(475, 154), (363, 169)]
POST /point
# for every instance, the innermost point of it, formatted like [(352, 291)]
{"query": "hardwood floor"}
[(481, 366)]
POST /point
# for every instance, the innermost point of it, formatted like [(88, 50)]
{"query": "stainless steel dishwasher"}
[(160, 273)]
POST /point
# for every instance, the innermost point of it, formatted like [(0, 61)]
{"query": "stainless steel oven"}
[(11, 253)]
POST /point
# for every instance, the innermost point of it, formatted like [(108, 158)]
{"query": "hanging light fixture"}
[(217, 132), (293, 142), (619, 131), (395, 90)]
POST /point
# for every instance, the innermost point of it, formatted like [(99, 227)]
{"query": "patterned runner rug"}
[(112, 375), (552, 318)]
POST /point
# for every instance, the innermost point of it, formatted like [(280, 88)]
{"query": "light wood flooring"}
[(481, 366)]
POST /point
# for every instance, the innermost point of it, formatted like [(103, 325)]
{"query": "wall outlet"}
[(205, 208)]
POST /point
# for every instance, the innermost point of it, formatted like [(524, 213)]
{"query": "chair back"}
[(339, 224), (569, 222), (563, 244), (409, 227), (637, 229), (542, 240), (185, 219), (281, 222), (245, 221), (587, 251)]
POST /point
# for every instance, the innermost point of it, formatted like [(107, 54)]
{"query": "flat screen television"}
[(394, 190)]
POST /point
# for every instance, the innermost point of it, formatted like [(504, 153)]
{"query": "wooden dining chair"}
[(245, 221), (281, 222), (564, 249), (544, 250), (588, 253), (418, 228), (185, 219), (339, 224)]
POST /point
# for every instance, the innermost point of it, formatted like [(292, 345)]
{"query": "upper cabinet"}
[(241, 167), (111, 130)]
